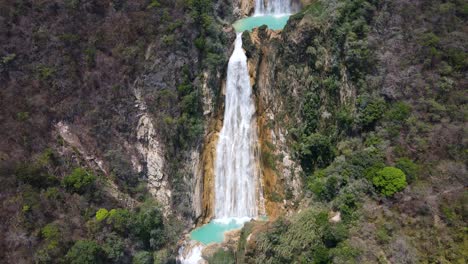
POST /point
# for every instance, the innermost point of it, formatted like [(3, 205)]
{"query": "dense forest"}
[(108, 108)]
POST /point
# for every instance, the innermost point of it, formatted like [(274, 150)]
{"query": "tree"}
[(315, 151), (119, 219), (408, 167), (85, 252), (149, 228), (142, 257), (389, 180), (79, 181)]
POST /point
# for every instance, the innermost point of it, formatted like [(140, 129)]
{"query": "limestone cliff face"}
[(151, 150), (243, 8), (279, 173)]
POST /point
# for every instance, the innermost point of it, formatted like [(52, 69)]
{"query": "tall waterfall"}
[(272, 7), (235, 165)]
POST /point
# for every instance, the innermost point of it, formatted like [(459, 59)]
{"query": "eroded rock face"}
[(280, 174), (70, 136), (243, 8), (151, 150)]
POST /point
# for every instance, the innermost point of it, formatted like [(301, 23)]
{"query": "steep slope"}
[(103, 105), (368, 91)]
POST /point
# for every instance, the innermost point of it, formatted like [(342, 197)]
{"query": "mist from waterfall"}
[(272, 7), (235, 165)]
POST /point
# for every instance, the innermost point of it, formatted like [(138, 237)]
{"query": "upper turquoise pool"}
[(249, 23)]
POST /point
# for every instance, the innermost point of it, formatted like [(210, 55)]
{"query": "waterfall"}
[(272, 7), (235, 165)]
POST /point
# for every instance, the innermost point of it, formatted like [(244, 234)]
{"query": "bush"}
[(315, 151), (389, 180), (102, 214), (114, 247), (408, 167), (222, 256), (148, 227), (325, 188), (370, 111), (85, 252), (79, 181), (399, 112), (35, 175), (334, 234), (142, 257), (119, 219), (51, 234)]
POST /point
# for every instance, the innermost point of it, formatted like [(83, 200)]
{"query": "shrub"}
[(344, 119), (79, 181), (35, 175), (142, 257), (148, 227), (114, 247), (8, 58), (315, 151), (389, 180), (222, 256), (408, 167), (334, 234), (102, 214), (344, 253), (119, 219), (51, 234), (22, 116), (399, 112), (320, 255), (153, 4), (85, 252), (370, 111), (52, 193)]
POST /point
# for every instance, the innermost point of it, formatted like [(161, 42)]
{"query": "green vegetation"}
[(51, 234), (222, 256), (79, 181), (410, 169), (85, 252), (147, 225), (307, 238), (389, 180), (142, 257), (102, 214)]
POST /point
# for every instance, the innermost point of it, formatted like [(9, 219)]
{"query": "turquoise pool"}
[(249, 23), (213, 232)]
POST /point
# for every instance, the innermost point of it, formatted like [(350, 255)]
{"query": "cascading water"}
[(272, 7), (238, 193), (236, 189), (235, 166)]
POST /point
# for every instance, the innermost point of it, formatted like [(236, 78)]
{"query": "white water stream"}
[(235, 166), (237, 186)]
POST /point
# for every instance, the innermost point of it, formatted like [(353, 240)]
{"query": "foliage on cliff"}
[(96, 65), (374, 96)]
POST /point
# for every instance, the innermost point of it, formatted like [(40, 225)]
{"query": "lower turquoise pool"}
[(213, 232)]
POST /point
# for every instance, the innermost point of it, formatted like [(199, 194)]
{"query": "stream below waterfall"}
[(238, 191)]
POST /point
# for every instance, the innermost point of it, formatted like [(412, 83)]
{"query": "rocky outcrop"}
[(243, 8), (151, 150), (205, 171), (91, 159)]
